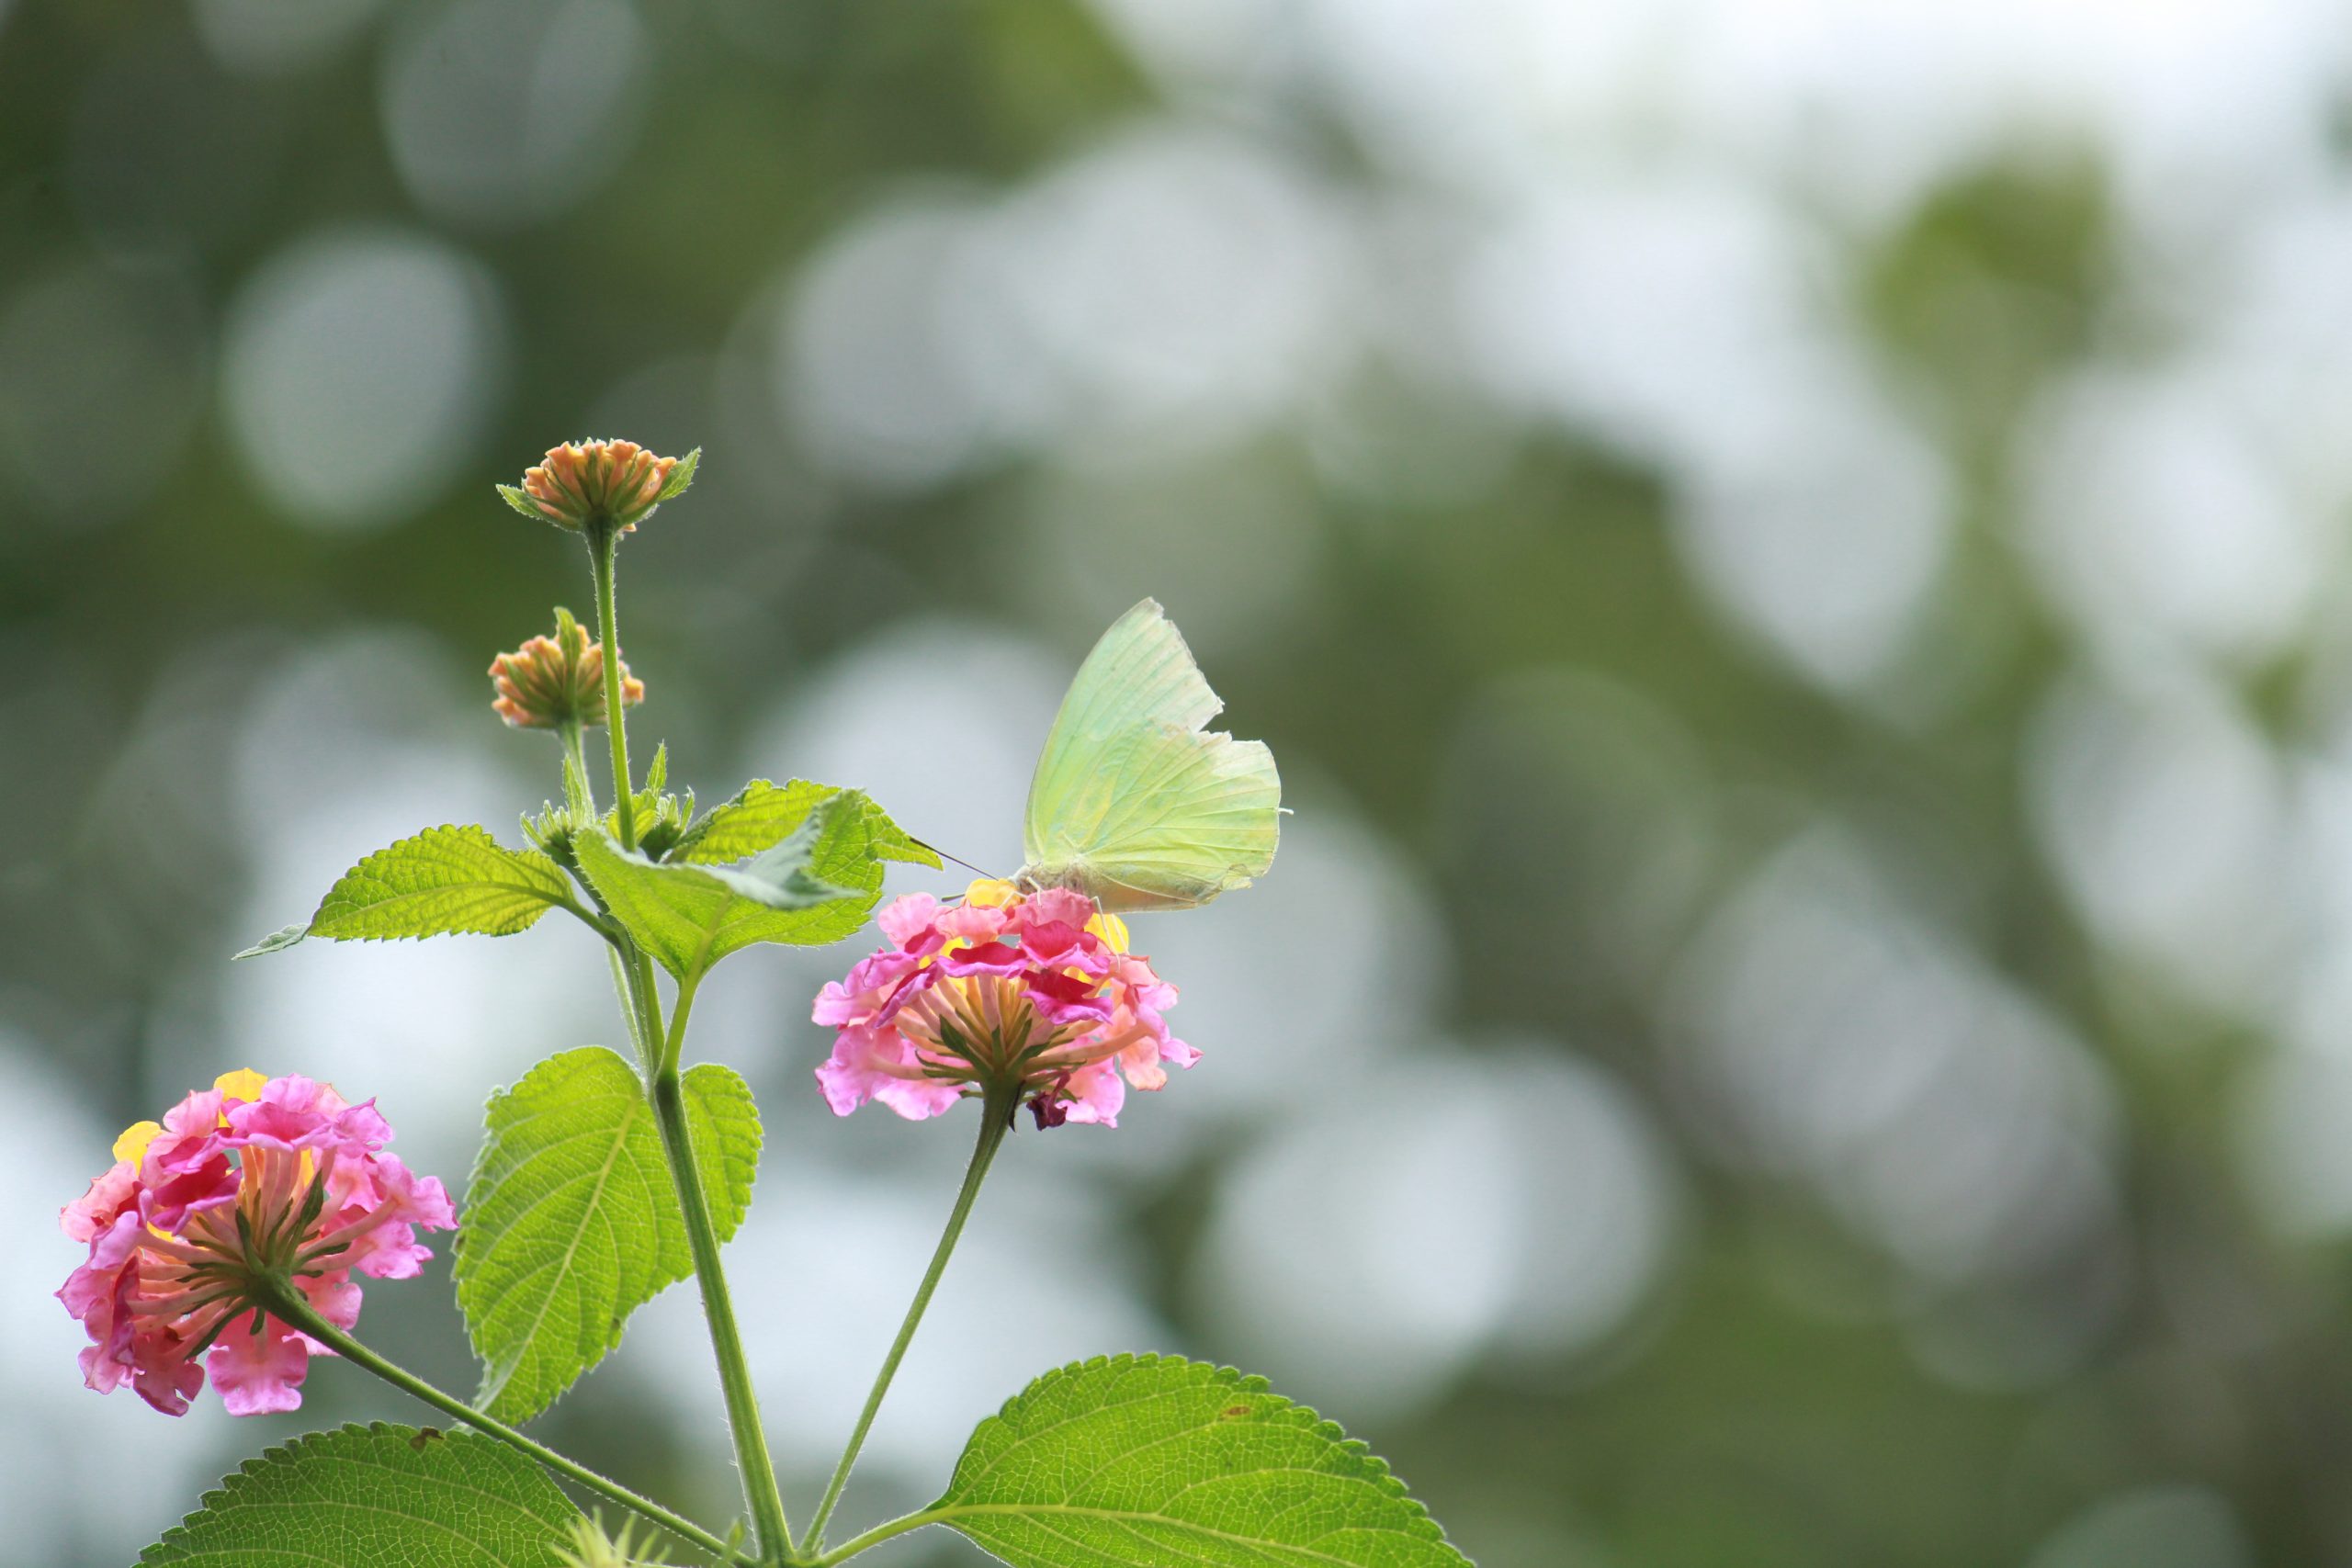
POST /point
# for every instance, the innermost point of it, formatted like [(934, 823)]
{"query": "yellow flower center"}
[(995, 892), (131, 1147)]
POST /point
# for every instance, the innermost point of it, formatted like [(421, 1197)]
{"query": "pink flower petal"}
[(1094, 1095), (259, 1374), (1056, 906), (907, 919), (95, 1210)]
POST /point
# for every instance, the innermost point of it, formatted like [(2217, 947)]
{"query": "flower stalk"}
[(996, 1119), (603, 546)]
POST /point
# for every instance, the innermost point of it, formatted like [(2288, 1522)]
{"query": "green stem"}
[(656, 1052), (881, 1533), (578, 796), (641, 1004), (579, 800), (996, 1119), (289, 1306), (718, 1307), (625, 986), (666, 1088), (603, 545)]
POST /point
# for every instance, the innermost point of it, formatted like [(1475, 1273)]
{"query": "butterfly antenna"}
[(959, 860)]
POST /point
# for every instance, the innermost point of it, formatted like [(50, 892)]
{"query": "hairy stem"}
[(603, 545), (649, 1013), (579, 798), (624, 986), (668, 1089), (289, 1306), (659, 1053), (996, 1119), (879, 1534)]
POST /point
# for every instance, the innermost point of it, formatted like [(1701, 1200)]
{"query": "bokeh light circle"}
[(358, 370), (505, 112)]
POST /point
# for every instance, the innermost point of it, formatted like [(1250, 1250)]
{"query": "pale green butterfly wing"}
[(1133, 802)]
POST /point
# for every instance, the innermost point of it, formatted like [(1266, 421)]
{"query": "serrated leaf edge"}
[(466, 1263), (740, 1173), (292, 935), (681, 477), (1284, 1409), (735, 884), (681, 853), (738, 1089), (282, 1452), (460, 829)]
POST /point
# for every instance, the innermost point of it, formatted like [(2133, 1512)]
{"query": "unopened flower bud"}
[(590, 1546), (552, 681), (600, 484)]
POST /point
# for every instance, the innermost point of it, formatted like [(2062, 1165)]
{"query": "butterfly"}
[(1134, 803)]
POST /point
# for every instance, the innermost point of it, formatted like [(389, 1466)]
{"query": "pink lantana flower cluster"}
[(251, 1185), (1030, 993)]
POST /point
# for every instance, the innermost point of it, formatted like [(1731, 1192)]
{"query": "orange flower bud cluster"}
[(591, 484), (551, 679)]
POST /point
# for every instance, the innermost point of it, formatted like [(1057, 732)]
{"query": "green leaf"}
[(690, 917), (762, 813), (523, 503), (572, 1223), (376, 1494), (278, 941), (443, 881), (682, 476), (1152, 1461)]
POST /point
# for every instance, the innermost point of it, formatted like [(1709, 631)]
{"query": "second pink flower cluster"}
[(251, 1175), (1034, 992)]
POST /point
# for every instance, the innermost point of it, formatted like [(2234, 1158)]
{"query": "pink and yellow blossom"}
[(250, 1181), (1035, 993)]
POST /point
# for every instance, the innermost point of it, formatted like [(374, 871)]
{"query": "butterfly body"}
[(1135, 803)]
